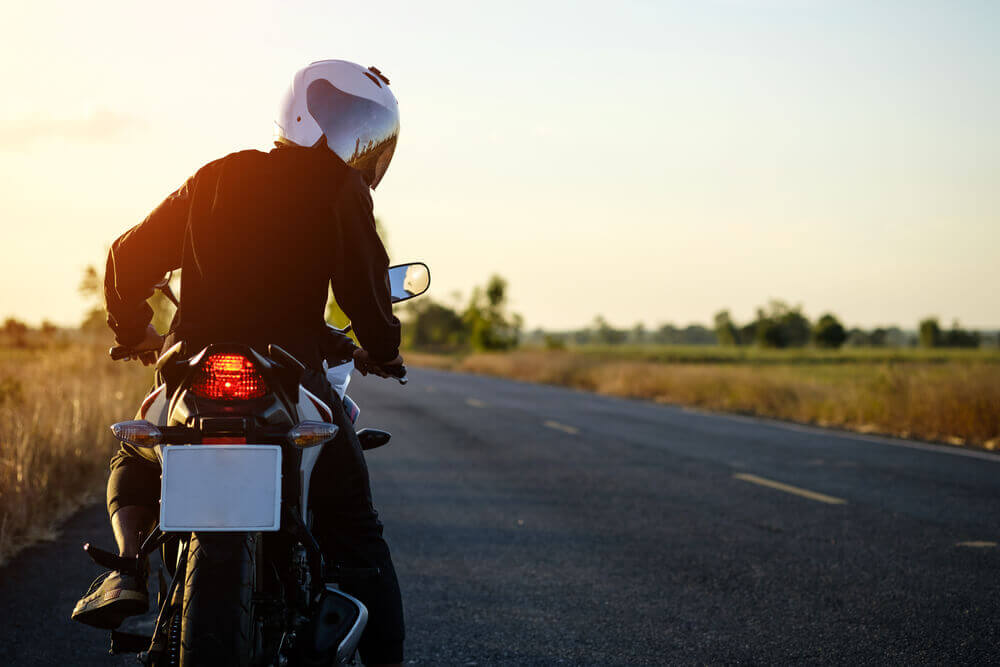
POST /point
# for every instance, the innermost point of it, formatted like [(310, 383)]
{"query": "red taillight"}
[(228, 377)]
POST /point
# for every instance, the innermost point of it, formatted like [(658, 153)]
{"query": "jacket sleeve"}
[(139, 259), (360, 277)]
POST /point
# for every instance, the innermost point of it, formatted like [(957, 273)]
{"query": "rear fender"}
[(154, 406), (310, 408)]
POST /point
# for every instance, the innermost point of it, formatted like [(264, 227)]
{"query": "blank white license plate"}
[(221, 488)]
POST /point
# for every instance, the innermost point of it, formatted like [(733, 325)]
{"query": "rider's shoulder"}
[(236, 159)]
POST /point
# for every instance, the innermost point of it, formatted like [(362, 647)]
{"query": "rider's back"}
[(259, 237), (257, 252)]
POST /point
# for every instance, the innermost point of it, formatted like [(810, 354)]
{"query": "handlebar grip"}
[(119, 352), (398, 372)]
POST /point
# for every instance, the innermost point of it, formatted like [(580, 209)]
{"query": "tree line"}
[(776, 325), (779, 325), (483, 322)]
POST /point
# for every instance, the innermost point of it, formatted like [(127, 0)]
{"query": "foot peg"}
[(110, 561)]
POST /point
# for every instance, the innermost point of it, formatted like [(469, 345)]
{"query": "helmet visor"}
[(360, 131)]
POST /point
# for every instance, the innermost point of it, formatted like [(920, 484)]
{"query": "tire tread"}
[(218, 587)]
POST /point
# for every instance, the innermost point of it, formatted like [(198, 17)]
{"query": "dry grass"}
[(948, 400), (57, 400)]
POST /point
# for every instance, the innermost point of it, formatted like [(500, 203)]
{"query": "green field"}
[(718, 354)]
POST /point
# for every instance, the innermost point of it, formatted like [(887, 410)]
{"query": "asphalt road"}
[(539, 526)]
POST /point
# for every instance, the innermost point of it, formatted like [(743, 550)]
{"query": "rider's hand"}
[(149, 347), (365, 366)]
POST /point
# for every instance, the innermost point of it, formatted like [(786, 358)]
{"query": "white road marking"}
[(572, 430), (977, 544), (475, 403), (788, 488)]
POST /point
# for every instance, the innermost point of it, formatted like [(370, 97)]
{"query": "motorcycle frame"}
[(169, 402)]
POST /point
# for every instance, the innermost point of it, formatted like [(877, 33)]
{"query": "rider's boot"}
[(121, 592), (114, 595)]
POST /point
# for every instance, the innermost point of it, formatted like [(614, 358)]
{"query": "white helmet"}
[(349, 107)]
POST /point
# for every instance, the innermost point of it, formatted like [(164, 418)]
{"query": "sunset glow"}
[(653, 162)]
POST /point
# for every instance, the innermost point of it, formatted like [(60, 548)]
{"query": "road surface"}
[(535, 525)]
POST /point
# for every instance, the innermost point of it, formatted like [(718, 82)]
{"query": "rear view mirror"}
[(408, 280)]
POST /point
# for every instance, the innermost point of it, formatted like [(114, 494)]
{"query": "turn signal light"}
[(228, 377), (310, 434), (138, 432)]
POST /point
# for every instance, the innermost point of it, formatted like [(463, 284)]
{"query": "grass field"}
[(950, 396), (719, 354), (57, 399)]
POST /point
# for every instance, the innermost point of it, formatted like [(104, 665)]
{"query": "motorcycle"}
[(237, 437)]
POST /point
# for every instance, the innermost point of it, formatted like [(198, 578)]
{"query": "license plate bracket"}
[(221, 488)]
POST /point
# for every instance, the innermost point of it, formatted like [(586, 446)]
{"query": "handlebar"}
[(126, 353), (397, 372), (119, 352)]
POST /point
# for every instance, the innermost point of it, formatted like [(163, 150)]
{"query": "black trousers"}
[(345, 522)]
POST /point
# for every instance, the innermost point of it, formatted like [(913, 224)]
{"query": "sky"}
[(644, 161)]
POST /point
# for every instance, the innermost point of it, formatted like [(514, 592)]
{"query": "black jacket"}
[(259, 237)]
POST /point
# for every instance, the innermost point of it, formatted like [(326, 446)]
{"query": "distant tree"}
[(782, 326), (693, 334), (930, 333), (554, 342), (605, 334), (48, 328), (667, 334), (768, 331), (638, 334), (725, 330), (14, 327), (489, 325), (878, 337), (748, 334), (829, 332), (795, 328), (15, 332), (92, 282), (959, 337), (431, 325), (92, 287), (696, 334)]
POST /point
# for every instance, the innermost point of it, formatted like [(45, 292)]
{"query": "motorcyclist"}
[(260, 237)]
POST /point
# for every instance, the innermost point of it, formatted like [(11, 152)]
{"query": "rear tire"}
[(216, 618)]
